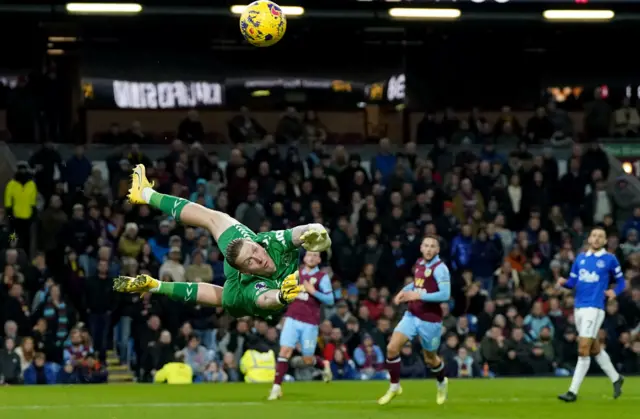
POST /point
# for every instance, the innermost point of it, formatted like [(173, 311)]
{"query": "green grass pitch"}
[(533, 398)]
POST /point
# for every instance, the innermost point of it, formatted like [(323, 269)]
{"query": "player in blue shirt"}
[(590, 275)]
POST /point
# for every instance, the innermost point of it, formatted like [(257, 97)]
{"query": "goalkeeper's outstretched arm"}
[(313, 237)]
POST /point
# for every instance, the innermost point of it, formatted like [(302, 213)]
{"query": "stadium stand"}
[(510, 193)]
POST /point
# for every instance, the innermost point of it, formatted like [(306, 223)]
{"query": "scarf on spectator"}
[(77, 353), (370, 358), (51, 312)]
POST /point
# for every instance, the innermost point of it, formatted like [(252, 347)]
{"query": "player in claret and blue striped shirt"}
[(590, 276), (431, 286)]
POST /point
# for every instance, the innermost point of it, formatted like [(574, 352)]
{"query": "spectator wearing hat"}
[(538, 362), (130, 245), (201, 195)]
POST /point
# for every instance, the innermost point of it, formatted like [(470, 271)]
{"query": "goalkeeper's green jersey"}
[(240, 290)]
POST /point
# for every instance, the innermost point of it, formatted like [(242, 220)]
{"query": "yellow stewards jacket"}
[(174, 373), (20, 199), (258, 367)]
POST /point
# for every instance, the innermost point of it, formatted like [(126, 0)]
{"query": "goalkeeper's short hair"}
[(233, 251)]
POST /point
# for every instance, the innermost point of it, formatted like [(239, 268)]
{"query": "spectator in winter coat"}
[(77, 170), (202, 192), (160, 243), (461, 248), (384, 161), (467, 201), (91, 371), (41, 372), (537, 361), (10, 371), (130, 245), (485, 258), (197, 356), (535, 321), (341, 368), (335, 344), (411, 364), (52, 221)]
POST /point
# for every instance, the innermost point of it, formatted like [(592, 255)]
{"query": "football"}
[(263, 23)]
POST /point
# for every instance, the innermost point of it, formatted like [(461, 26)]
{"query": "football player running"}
[(261, 270), (431, 286)]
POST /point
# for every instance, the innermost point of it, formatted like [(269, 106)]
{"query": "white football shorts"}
[(588, 321)]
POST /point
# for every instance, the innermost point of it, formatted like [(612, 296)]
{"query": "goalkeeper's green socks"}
[(180, 291), (168, 204)]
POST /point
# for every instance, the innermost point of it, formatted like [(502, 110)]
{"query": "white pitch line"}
[(292, 402)]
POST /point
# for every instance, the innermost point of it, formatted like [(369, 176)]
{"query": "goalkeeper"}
[(261, 269)]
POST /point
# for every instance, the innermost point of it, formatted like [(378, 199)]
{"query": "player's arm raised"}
[(324, 292), (313, 237)]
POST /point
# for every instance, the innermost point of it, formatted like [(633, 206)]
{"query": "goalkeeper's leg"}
[(187, 292), (182, 210)]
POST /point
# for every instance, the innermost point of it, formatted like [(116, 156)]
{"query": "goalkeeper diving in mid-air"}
[(261, 270)]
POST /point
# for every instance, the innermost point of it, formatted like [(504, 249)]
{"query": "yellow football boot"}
[(139, 285), (139, 181), (443, 391), (389, 395)]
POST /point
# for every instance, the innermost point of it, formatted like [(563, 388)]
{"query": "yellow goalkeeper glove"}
[(290, 289), (315, 240)]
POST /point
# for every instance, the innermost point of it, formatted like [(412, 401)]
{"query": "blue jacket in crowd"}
[(461, 247)]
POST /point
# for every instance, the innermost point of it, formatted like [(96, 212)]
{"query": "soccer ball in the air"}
[(263, 23)]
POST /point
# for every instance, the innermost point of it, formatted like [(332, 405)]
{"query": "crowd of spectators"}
[(509, 226)]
